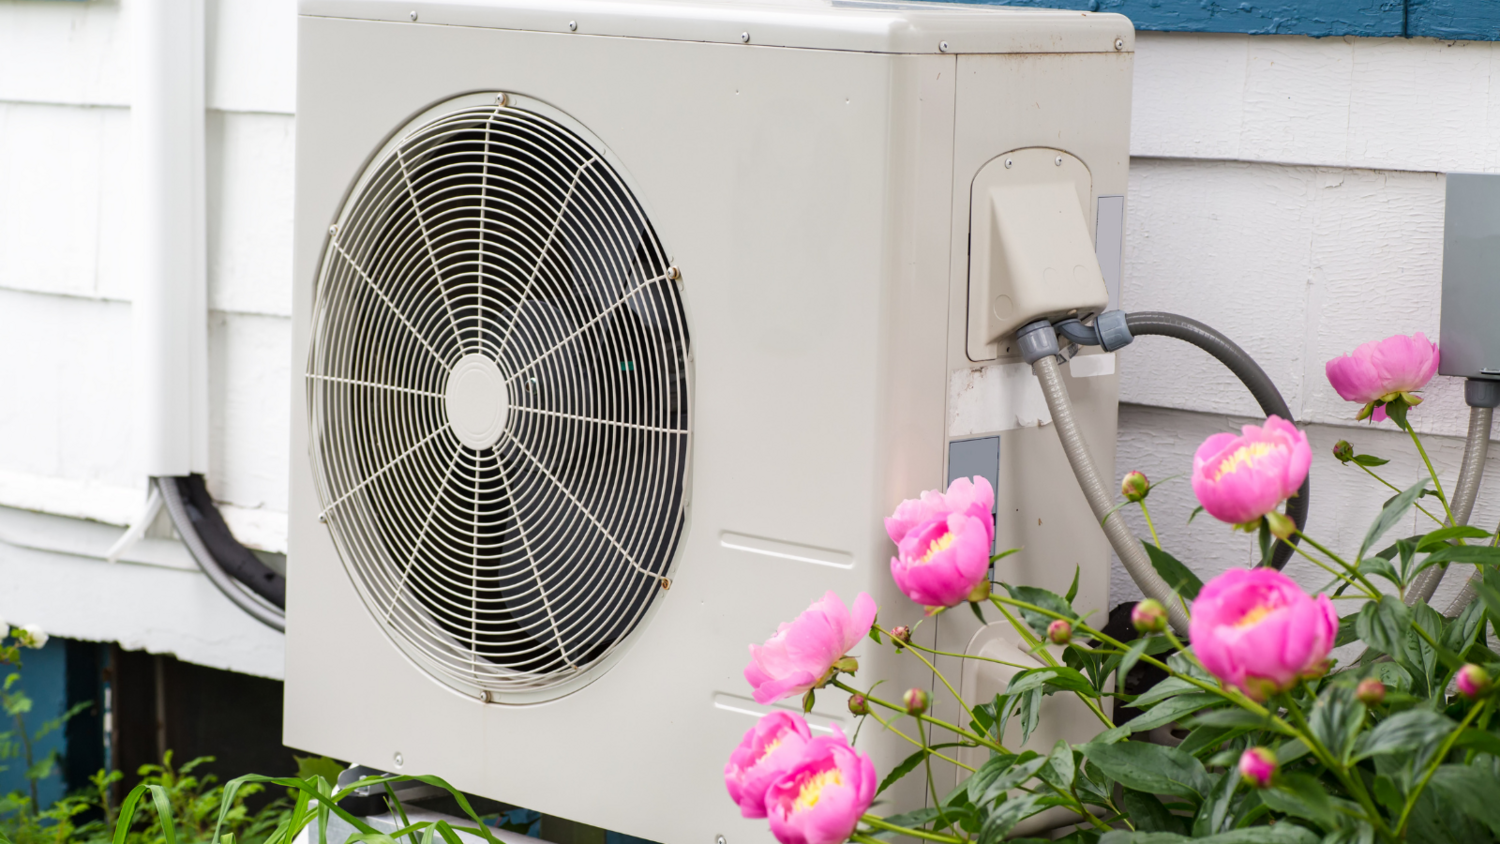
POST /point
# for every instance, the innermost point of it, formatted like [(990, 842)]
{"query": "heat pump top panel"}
[(871, 27)]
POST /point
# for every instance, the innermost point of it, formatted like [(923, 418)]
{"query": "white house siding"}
[(1289, 191), (1286, 190)]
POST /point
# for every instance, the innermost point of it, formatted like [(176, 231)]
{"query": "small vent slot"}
[(499, 400)]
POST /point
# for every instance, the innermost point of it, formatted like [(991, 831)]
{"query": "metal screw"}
[(502, 100), (1057, 161), (666, 583), (942, 46), (322, 517), (1119, 43), (745, 37), (718, 839), (414, 14), (673, 273), (399, 760), (572, 26), (484, 696), (1009, 162), (333, 229)]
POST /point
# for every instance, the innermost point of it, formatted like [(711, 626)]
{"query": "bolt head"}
[(942, 46), (484, 696), (398, 760), (414, 14), (333, 229), (502, 100), (673, 273), (744, 38), (1119, 43), (1057, 161), (1009, 163), (572, 26), (718, 839), (322, 517), (666, 583)]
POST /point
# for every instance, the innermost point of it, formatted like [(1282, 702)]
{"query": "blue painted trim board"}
[(1457, 20)]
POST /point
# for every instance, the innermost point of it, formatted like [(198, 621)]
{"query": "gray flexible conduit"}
[(1131, 553), (1244, 367), (1465, 493), (230, 566)]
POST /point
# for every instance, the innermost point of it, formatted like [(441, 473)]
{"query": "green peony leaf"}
[(1151, 768), (1178, 576), (1391, 515)]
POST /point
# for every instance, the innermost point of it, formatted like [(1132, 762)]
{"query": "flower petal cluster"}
[(821, 798), (1258, 631), (802, 653), (1380, 372), (943, 542), (813, 790), (1239, 479)]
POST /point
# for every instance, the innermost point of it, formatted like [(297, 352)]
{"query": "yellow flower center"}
[(769, 749), (1254, 615), (1245, 455), (812, 788), (939, 544)]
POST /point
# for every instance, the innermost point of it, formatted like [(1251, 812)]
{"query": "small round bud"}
[(1059, 632), (915, 701), (1280, 526), (902, 635), (1343, 451), (1473, 681), (31, 636), (858, 705), (1370, 691), (980, 592), (1135, 487), (1149, 616), (1258, 767)]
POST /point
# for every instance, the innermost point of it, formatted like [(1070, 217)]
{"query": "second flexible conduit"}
[(1244, 367), (230, 566), (1465, 492)]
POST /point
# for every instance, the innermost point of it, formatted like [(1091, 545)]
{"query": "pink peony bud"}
[(1135, 487), (802, 653), (1282, 527), (1059, 632), (821, 798), (902, 635), (1258, 631), (1258, 767), (1376, 373), (1238, 479), (1473, 681), (1149, 616), (1343, 451), (858, 705), (1370, 691), (769, 749), (915, 701)]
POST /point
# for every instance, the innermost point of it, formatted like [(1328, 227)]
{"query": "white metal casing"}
[(813, 185)]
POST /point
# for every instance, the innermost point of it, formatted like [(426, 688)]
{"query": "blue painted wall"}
[(1477, 20), (44, 678)]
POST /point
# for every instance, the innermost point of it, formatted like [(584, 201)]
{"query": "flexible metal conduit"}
[(1244, 367), (227, 563), (1465, 492), (1131, 553)]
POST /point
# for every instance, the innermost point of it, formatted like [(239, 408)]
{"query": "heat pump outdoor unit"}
[(619, 326)]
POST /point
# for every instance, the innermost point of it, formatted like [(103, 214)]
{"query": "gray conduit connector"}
[(1131, 553), (1465, 492), (238, 595)]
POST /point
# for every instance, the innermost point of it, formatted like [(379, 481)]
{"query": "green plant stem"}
[(1352, 570), (1411, 800), (1338, 769), (938, 674), (937, 801), (1038, 648), (953, 728), (879, 823), (889, 726), (1336, 573), (1149, 525), (936, 652), (1437, 484), (1392, 486)]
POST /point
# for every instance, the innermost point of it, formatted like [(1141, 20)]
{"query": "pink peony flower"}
[(1258, 766), (1379, 372), (942, 562), (1240, 479), (802, 652), (820, 800), (970, 497), (770, 748), (1258, 631)]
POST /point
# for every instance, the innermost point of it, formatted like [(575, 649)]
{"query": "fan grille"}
[(499, 399)]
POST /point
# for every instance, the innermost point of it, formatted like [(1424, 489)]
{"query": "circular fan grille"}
[(499, 400)]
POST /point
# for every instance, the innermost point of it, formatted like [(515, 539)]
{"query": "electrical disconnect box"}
[(1471, 277)]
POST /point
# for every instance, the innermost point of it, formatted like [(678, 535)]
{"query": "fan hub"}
[(477, 401)]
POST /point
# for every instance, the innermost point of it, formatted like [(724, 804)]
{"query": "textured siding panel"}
[(250, 213)]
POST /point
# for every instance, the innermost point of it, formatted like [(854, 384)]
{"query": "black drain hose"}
[(230, 566), (1244, 367)]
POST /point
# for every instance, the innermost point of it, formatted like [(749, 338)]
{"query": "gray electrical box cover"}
[(1470, 331)]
